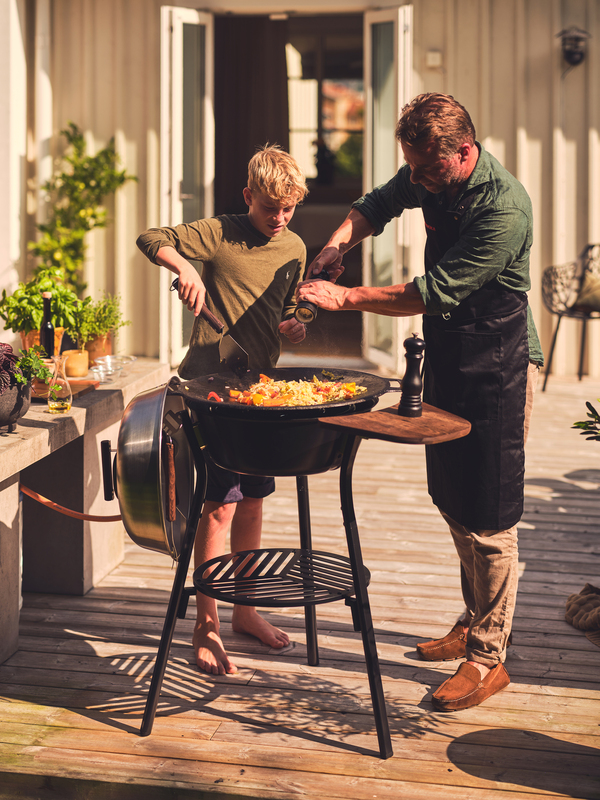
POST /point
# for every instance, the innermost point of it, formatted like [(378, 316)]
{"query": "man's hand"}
[(330, 260), (353, 230), (323, 294), (294, 330)]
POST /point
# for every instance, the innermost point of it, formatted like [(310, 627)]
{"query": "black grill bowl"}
[(276, 440)]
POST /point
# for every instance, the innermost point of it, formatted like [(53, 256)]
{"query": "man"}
[(481, 360)]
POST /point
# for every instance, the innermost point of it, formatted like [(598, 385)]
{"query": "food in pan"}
[(269, 392)]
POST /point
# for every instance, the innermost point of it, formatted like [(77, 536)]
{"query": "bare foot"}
[(210, 653), (245, 619)]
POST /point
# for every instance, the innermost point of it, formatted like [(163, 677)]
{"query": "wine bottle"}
[(47, 329)]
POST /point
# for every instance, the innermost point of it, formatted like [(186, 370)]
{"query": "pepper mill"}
[(412, 385), (306, 312)]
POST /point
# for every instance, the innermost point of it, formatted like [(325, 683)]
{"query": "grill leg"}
[(362, 609), (178, 597), (310, 613)]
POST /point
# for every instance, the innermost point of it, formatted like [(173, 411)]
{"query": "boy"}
[(251, 266)]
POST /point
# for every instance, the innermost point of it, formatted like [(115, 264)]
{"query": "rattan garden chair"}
[(573, 290)]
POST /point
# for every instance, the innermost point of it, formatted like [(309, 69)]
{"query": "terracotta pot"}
[(14, 404), (33, 337), (77, 363), (100, 346), (40, 388)]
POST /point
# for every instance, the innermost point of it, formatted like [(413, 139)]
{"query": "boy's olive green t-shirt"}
[(250, 284)]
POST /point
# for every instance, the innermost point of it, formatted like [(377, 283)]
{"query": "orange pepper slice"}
[(234, 393), (264, 378)]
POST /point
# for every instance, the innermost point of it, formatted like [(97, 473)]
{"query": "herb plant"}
[(24, 309), (106, 316), (83, 326), (21, 369)]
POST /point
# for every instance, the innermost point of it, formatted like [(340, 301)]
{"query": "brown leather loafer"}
[(452, 646), (467, 688)]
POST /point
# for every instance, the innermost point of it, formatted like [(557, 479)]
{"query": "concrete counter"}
[(58, 456)]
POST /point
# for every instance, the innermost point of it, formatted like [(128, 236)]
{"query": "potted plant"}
[(78, 361), (106, 319), (76, 193), (590, 428), (23, 310), (16, 376)]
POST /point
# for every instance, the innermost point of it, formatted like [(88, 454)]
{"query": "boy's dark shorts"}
[(231, 487)]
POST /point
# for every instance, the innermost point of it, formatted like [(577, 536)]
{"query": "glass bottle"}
[(60, 395), (47, 329)]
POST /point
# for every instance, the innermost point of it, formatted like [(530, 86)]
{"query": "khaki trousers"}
[(489, 565)]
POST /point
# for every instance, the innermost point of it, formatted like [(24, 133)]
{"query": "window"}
[(326, 97)]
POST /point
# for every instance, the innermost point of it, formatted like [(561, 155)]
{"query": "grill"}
[(273, 577)]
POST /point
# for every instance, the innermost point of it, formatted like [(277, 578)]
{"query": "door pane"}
[(192, 183), (383, 159)]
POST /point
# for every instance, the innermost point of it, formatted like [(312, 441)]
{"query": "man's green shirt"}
[(496, 232)]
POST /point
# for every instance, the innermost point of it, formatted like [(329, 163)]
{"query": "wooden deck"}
[(72, 697)]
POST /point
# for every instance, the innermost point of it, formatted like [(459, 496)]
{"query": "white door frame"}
[(172, 347), (401, 17)]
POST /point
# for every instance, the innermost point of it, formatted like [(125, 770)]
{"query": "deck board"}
[(72, 697)]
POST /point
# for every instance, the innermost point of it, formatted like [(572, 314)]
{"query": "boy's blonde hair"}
[(275, 173)]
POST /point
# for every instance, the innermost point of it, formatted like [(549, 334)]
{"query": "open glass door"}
[(187, 149), (388, 70)]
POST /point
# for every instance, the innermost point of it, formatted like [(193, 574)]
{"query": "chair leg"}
[(582, 348), (549, 364)]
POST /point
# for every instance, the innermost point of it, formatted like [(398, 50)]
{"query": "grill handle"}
[(107, 473)]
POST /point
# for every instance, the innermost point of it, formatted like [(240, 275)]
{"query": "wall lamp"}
[(573, 43)]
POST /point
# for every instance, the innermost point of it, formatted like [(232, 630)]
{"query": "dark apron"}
[(476, 367)]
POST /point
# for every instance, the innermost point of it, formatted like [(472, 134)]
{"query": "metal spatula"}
[(231, 353)]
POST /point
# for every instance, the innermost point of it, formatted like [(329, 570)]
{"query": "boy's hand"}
[(329, 259), (191, 289), (294, 330)]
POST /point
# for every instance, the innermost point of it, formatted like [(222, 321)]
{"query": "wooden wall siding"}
[(501, 58), (106, 79)]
